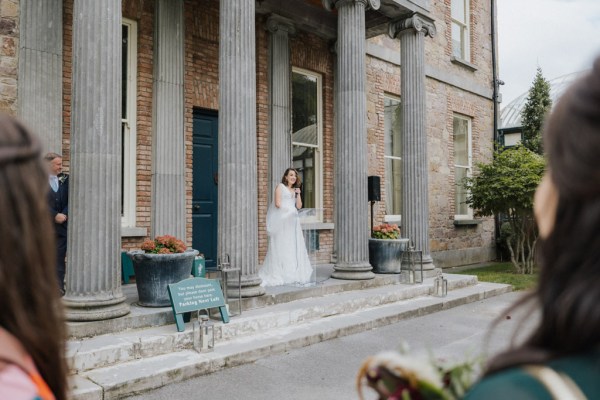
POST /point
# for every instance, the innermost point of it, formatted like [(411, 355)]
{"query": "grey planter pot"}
[(385, 255), (153, 272)]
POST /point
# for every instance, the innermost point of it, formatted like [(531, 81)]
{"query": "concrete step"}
[(105, 350), (148, 359), (146, 317)]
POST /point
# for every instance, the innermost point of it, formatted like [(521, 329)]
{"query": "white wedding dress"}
[(287, 261)]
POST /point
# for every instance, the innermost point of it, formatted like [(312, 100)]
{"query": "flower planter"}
[(153, 272), (385, 255)]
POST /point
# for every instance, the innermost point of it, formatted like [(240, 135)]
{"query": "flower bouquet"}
[(396, 376), (386, 231)]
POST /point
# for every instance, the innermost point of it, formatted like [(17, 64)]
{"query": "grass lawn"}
[(504, 273)]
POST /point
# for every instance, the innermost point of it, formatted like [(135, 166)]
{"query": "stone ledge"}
[(467, 222), (463, 63)]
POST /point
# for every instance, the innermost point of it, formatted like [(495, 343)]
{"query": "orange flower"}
[(386, 231), (165, 244)]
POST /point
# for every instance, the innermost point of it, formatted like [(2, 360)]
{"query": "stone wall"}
[(9, 47)]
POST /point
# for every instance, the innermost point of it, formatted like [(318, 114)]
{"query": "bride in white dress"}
[(287, 261)]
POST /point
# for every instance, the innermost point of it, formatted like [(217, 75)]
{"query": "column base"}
[(354, 272), (428, 263), (94, 309), (250, 287)]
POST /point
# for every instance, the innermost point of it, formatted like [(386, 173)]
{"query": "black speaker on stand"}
[(374, 194)]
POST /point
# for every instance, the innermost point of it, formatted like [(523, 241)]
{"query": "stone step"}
[(138, 372), (145, 317), (105, 350)]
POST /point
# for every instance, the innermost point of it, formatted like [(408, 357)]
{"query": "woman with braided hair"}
[(32, 330)]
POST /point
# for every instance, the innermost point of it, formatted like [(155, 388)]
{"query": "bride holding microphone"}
[(287, 261)]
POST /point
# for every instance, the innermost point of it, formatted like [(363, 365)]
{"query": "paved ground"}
[(327, 370)]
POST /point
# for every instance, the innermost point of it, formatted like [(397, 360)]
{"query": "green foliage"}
[(505, 187), (535, 110), (504, 273)]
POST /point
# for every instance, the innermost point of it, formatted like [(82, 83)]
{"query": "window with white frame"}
[(392, 155), (307, 139), (128, 122), (460, 29), (462, 165)]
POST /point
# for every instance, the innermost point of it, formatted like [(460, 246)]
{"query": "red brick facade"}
[(309, 52)]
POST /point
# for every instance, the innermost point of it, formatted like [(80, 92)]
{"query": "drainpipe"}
[(495, 81), (495, 95)]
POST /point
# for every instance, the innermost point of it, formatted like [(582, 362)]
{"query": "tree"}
[(505, 187), (538, 104)]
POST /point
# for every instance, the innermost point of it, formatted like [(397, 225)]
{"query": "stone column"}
[(40, 70), (168, 147), (351, 200), (238, 204), (415, 192), (94, 241), (281, 98)]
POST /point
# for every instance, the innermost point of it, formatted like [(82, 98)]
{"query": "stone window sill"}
[(463, 63), (317, 226), (467, 222), (133, 231)]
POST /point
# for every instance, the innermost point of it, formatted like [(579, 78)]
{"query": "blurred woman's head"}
[(567, 207), (31, 308)]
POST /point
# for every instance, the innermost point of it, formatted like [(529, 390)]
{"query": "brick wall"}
[(443, 100), (311, 53)]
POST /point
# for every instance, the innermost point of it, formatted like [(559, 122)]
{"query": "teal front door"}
[(205, 181)]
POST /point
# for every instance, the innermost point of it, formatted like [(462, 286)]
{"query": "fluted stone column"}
[(238, 221), (168, 147), (415, 198), (94, 240), (281, 104), (40, 70), (351, 200)]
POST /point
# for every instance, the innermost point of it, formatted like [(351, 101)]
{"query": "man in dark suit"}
[(58, 200)]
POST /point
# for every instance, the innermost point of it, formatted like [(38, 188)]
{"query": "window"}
[(462, 165), (307, 135), (392, 156), (460, 29), (512, 139), (128, 123)]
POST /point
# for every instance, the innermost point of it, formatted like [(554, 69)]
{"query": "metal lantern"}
[(225, 268), (412, 261), (440, 285), (204, 334)]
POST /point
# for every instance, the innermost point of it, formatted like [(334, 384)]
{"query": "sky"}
[(560, 36)]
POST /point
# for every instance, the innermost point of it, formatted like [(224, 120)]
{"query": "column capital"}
[(331, 4), (276, 23), (417, 22)]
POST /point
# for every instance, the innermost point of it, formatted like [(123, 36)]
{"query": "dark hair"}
[(569, 257), (31, 307), (284, 180)]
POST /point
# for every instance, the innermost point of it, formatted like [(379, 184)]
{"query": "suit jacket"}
[(59, 203)]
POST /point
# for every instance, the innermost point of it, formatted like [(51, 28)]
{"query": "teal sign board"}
[(196, 294)]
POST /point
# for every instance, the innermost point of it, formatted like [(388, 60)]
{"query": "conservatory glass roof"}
[(510, 116)]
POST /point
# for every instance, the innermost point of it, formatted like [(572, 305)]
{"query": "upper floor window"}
[(460, 29), (307, 135), (128, 122), (393, 156), (462, 165)]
